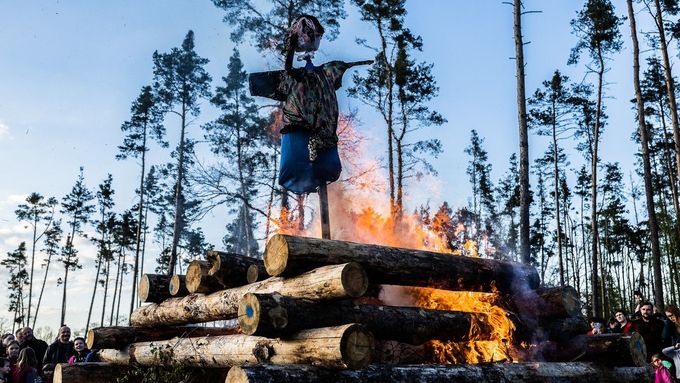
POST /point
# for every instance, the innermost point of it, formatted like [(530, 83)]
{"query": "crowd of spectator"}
[(659, 329), (26, 359)]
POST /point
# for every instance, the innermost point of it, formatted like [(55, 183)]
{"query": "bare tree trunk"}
[(115, 291), (106, 286), (670, 87), (69, 244), (556, 171), (179, 204), (140, 225), (523, 138), (94, 290), (120, 287), (390, 112), (644, 142), (30, 283), (595, 280)]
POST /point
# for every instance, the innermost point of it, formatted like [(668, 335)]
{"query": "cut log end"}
[(143, 292), (253, 274), (357, 346), (177, 285), (237, 375), (249, 314), (215, 262), (90, 338), (354, 280), (153, 288), (276, 255), (198, 280)]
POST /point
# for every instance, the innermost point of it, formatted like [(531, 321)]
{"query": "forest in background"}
[(590, 225)]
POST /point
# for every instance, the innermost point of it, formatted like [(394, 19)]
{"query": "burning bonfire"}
[(388, 300)]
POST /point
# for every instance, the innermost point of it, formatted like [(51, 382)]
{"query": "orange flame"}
[(360, 212), (495, 349)]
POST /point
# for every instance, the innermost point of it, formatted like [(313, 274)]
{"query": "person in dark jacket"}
[(671, 330), (13, 349), (624, 323), (649, 328), (39, 346), (6, 339), (58, 352)]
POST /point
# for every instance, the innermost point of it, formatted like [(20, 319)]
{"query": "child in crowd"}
[(81, 351), (4, 370), (661, 373)]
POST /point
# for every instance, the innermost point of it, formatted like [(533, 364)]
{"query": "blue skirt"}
[(300, 175)]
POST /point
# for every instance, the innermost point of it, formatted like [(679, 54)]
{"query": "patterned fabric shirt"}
[(311, 104)]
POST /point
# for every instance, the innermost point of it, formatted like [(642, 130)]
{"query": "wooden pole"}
[(287, 255), (325, 217), (347, 346), (328, 282), (465, 373)]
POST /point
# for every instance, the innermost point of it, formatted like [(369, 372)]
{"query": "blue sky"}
[(69, 71)]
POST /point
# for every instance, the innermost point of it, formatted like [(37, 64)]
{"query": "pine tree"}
[(479, 173), (105, 203), (508, 198), (239, 139), (377, 87), (644, 142), (144, 124), (51, 249), (550, 114), (77, 208), (15, 263), (524, 192), (416, 87), (597, 27), (267, 25), (38, 212), (180, 81)]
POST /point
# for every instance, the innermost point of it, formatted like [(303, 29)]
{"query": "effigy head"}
[(305, 34)]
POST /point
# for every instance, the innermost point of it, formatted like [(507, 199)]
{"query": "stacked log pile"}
[(303, 314)]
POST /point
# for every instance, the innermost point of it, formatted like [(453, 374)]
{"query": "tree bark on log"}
[(562, 330), (235, 269), (199, 281), (287, 255), (324, 283), (111, 373), (89, 372), (551, 302), (605, 349), (347, 346), (154, 288), (273, 315), (178, 287), (472, 373), (121, 337), (613, 349)]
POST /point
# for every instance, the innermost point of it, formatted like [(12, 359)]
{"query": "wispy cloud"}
[(4, 131)]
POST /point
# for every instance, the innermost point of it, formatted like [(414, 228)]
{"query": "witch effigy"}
[(309, 141)]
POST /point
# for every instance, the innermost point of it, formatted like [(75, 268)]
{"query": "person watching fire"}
[(649, 327)]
